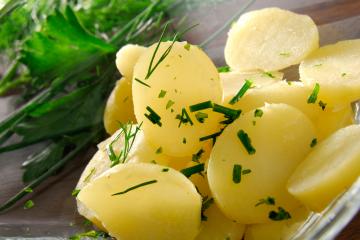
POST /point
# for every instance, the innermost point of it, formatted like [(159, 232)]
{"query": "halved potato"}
[(144, 201), (119, 106), (127, 57), (185, 77), (270, 39), (336, 68), (332, 166), (250, 162)]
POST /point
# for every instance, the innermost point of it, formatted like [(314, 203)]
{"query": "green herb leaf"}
[(184, 118), (197, 156), (162, 94), (165, 170), (242, 91), (135, 187), (266, 201), (153, 116), (269, 74), (142, 82), (313, 97), (201, 106), (322, 105), (75, 192), (169, 104), (224, 69), (280, 215), (159, 150), (211, 136), (28, 190), (206, 203), (230, 114), (245, 140), (187, 46), (188, 172), (90, 234), (88, 177), (236, 174), (29, 204), (200, 116), (258, 113), (313, 142)]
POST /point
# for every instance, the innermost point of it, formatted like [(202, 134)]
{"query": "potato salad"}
[(230, 153)]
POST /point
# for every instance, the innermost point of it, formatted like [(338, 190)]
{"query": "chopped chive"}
[(184, 118), (201, 106), (285, 54), (92, 171), (224, 69), (258, 113), (246, 141), (188, 172), (269, 74), (169, 104), (206, 203), (75, 192), (165, 170), (322, 105), (28, 190), (196, 157), (242, 91), (211, 136), (187, 46), (246, 171), (200, 116), (159, 150), (162, 94), (343, 74), (153, 161), (29, 204), (313, 97), (229, 113), (266, 201), (90, 234), (153, 116), (184, 141), (254, 123), (126, 98), (318, 65), (282, 214), (141, 82), (313, 142), (135, 187), (87, 222), (236, 173)]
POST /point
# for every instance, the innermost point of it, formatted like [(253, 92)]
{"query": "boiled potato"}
[(233, 81), (336, 68), (169, 207), (119, 106), (279, 141), (185, 77), (270, 39), (127, 57), (328, 170), (277, 230)]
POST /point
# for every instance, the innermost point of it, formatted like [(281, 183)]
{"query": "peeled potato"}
[(233, 81), (166, 209), (281, 139), (188, 77), (282, 230), (328, 170), (127, 57), (119, 106), (270, 39), (337, 70)]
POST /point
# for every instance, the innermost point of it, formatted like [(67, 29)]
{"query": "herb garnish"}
[(165, 170), (206, 203), (269, 74), (184, 140), (169, 104), (230, 114), (211, 136), (90, 234), (141, 82), (29, 204), (258, 113), (322, 105), (200, 116), (282, 214), (246, 171), (188, 172), (92, 171), (197, 156), (285, 54), (313, 142), (184, 118), (162, 94), (224, 69), (28, 190), (135, 187), (153, 116), (236, 174), (242, 91), (313, 97), (159, 150), (75, 192), (201, 106), (245, 140), (266, 201), (187, 46)]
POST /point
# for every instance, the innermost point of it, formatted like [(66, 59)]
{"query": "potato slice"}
[(270, 39), (233, 81), (336, 68), (281, 139), (152, 203), (185, 77), (119, 106), (127, 57), (328, 170)]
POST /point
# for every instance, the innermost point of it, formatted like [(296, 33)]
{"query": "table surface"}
[(55, 212)]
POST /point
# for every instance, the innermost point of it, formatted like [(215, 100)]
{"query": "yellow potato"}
[(280, 139), (277, 230), (336, 68), (328, 170), (127, 57), (166, 206), (233, 81), (270, 39), (185, 77), (119, 106)]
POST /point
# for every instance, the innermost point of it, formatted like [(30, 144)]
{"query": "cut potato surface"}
[(119, 106), (185, 77), (328, 170), (270, 39), (337, 69), (127, 57), (245, 167), (233, 81), (150, 203)]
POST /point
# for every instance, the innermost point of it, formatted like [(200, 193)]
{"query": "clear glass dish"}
[(54, 215)]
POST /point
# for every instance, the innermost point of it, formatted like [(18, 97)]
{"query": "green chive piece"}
[(224, 69), (258, 113), (188, 172), (162, 94), (197, 156), (201, 106), (87, 222), (206, 203), (159, 150), (246, 141), (266, 201), (211, 136), (135, 187), (282, 214), (165, 170), (200, 116), (313, 97), (92, 171), (230, 114), (141, 82), (153, 116), (343, 74), (242, 91), (313, 142), (246, 171), (187, 46), (28, 190), (236, 173), (269, 74), (184, 118), (169, 104), (90, 234), (285, 54), (184, 141), (322, 105), (75, 192), (29, 204)]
